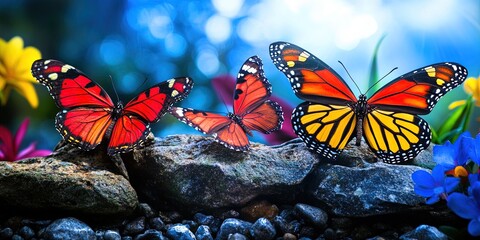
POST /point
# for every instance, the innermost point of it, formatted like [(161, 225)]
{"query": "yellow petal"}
[(456, 104), (3, 82), (28, 56), (2, 45), (470, 85), (12, 52), (27, 90)]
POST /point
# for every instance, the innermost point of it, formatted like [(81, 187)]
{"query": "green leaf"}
[(374, 67), (455, 124)]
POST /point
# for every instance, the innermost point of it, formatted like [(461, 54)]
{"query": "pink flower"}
[(224, 86), (10, 145)]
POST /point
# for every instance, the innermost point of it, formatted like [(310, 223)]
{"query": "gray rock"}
[(365, 190), (111, 235), (70, 181), (424, 232), (262, 229), (135, 227), (237, 236), (231, 226), (180, 231), (203, 233), (314, 215), (68, 228), (197, 172)]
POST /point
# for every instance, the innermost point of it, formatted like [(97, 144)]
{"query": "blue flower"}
[(452, 155), (474, 152), (467, 207), (435, 185)]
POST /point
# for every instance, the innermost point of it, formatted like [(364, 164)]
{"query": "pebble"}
[(68, 228), (111, 235), (26, 232), (157, 223), (231, 226), (314, 215), (146, 210), (135, 227), (289, 236), (280, 224), (203, 233), (424, 232), (151, 234), (180, 231), (237, 236), (259, 209), (6, 233), (263, 229)]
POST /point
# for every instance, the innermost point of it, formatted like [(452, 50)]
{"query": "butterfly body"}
[(388, 120), (88, 115), (251, 110)]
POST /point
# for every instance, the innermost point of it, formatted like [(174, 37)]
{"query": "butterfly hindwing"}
[(311, 79), (325, 128), (395, 137), (418, 91), (266, 118)]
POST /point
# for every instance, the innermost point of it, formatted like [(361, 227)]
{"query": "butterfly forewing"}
[(205, 122), (311, 79), (68, 86), (252, 87), (417, 92)]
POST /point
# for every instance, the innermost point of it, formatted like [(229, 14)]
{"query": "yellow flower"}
[(15, 64), (471, 87)]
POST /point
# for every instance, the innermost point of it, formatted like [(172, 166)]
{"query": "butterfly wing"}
[(133, 124), (252, 87), (311, 79), (418, 91), (266, 118), (222, 128), (85, 107), (395, 137), (392, 128), (325, 128)]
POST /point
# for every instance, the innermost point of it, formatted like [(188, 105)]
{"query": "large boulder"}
[(68, 181), (197, 173)]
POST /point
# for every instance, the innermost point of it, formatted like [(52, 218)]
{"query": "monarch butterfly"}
[(332, 115), (88, 115), (251, 110)]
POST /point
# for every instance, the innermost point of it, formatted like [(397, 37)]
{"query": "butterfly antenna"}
[(395, 68), (350, 76), (114, 88)]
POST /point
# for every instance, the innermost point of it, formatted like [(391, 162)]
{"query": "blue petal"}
[(438, 174), (475, 192), (474, 153), (463, 206), (474, 227), (451, 183), (433, 199), (466, 145), (422, 191), (423, 178), (445, 155)]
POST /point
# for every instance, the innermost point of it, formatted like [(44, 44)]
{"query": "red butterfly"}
[(251, 110), (332, 115), (89, 116)]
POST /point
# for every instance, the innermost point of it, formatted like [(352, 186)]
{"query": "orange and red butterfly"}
[(251, 110), (88, 115), (332, 115)]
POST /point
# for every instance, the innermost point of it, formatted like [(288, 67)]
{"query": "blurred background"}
[(147, 40)]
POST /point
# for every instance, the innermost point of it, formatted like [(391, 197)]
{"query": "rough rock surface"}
[(371, 189), (195, 171), (69, 181)]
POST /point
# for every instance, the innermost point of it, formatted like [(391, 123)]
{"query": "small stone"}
[(424, 232), (68, 228), (309, 232), (203, 219), (230, 214), (314, 215), (99, 234), (17, 237), (146, 210), (287, 214), (259, 209), (157, 224), (111, 235), (203, 233), (151, 234), (180, 231), (280, 224), (6, 233), (127, 238), (330, 234), (237, 236), (294, 227), (289, 236), (262, 229), (26, 232), (135, 227), (231, 226), (171, 217), (192, 225)]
